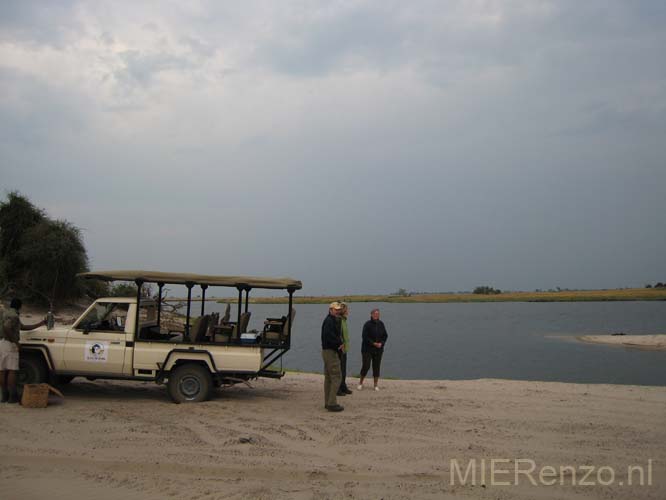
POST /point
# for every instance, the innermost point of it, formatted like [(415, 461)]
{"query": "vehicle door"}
[(96, 343)]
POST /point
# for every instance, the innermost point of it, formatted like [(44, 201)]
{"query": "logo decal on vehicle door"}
[(96, 352)]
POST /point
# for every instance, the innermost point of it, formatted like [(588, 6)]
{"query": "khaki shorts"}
[(9, 355)]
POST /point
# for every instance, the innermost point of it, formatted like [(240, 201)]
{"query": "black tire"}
[(189, 383), (62, 379), (32, 370)]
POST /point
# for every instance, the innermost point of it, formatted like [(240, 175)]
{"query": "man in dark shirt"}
[(331, 345)]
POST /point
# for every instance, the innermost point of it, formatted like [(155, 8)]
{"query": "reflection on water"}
[(492, 340)]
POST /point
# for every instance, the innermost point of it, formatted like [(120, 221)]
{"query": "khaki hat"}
[(335, 305)]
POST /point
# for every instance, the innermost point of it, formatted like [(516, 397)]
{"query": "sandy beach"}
[(654, 342), (110, 439)]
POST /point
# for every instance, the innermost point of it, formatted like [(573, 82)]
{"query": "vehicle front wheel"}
[(189, 383), (32, 370), (62, 379)]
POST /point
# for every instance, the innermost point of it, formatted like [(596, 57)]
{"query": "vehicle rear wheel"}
[(189, 383), (32, 370)]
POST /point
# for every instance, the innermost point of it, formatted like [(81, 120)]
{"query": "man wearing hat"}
[(331, 345)]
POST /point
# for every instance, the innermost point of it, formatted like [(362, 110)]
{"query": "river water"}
[(513, 340)]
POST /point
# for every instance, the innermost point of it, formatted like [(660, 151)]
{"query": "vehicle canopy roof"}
[(196, 279)]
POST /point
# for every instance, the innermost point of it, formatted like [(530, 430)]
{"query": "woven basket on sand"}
[(37, 395)]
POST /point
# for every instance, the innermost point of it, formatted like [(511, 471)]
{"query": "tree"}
[(53, 253), (123, 290), (38, 255), (486, 290), (17, 215), (127, 289)]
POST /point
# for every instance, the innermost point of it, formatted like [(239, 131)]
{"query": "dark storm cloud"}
[(142, 68), (354, 36), (445, 145), (35, 113), (35, 21)]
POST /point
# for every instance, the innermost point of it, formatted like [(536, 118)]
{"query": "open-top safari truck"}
[(127, 338)]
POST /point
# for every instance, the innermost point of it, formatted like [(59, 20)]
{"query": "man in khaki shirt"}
[(10, 334)]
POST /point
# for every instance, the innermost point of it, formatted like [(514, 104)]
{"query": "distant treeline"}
[(627, 294)]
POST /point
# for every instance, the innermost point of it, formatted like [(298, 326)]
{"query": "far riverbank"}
[(625, 294)]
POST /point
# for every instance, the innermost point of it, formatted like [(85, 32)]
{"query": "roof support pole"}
[(289, 315), (203, 297), (139, 284), (240, 303), (159, 303), (189, 304)]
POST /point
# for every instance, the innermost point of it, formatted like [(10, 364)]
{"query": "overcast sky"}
[(360, 146)]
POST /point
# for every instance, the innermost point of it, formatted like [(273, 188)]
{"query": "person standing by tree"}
[(374, 339), (344, 390), (331, 344), (10, 335)]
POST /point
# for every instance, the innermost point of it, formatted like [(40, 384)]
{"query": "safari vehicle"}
[(126, 338)]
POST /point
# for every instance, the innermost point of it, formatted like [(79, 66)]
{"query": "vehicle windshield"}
[(105, 316)]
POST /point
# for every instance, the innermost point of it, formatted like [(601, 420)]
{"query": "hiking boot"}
[(347, 390), (13, 397), (334, 408)]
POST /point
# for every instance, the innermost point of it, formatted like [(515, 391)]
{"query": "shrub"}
[(486, 290)]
